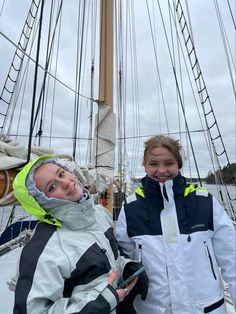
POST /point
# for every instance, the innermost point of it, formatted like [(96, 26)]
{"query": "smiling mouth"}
[(163, 179)]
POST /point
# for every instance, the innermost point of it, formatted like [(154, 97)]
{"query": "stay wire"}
[(54, 81), (118, 81), (41, 67), (2, 7), (180, 97), (79, 58), (226, 45), (93, 27), (136, 102), (50, 44), (35, 82), (231, 13), (206, 135), (179, 63), (207, 139), (157, 67)]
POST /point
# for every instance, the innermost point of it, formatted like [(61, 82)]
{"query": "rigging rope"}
[(205, 99), (226, 46), (42, 68), (15, 69), (180, 97), (2, 7), (35, 82), (93, 27), (231, 14), (79, 58), (41, 102), (157, 67), (54, 82), (136, 106)]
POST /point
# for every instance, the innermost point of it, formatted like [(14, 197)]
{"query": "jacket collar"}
[(153, 187), (76, 215)]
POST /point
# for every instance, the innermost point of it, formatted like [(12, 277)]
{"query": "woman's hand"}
[(122, 293)]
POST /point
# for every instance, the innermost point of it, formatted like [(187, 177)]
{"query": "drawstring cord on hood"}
[(85, 196)]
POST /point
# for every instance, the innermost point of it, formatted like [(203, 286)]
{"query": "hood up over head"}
[(30, 197)]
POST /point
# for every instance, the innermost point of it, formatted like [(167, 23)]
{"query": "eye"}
[(61, 174), (51, 187), (168, 164), (153, 164)]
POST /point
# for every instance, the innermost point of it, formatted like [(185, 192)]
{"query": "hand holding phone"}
[(131, 278)]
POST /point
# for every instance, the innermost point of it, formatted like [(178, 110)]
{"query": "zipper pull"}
[(140, 253)]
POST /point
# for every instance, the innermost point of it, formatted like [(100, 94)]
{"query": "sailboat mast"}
[(106, 54), (106, 68)]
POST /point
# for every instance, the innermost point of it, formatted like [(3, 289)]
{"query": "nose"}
[(64, 183), (161, 169)]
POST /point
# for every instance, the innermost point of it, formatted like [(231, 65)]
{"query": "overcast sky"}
[(154, 79), (149, 96)]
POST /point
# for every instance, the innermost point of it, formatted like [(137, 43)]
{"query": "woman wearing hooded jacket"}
[(72, 263)]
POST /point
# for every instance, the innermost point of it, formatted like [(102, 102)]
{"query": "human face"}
[(56, 182), (161, 165)]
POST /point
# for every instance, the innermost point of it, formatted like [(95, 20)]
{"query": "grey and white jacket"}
[(65, 266), (65, 270)]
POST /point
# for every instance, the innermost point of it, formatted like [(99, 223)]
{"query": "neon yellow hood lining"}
[(26, 200)]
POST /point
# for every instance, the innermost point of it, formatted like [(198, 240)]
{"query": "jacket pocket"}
[(210, 259), (217, 307)]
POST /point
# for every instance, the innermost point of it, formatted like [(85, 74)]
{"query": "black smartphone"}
[(131, 278)]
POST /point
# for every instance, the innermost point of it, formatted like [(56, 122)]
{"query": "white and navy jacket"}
[(183, 237), (65, 269)]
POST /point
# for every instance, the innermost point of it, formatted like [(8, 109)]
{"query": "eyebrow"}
[(167, 160)]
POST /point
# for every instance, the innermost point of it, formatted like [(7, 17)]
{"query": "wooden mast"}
[(106, 69)]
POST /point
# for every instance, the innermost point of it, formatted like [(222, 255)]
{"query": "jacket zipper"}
[(210, 259), (140, 253)]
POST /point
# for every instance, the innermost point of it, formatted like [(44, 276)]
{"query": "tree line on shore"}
[(228, 172)]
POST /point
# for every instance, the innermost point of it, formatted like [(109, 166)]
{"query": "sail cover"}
[(104, 146)]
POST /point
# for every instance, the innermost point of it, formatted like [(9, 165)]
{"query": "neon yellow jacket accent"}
[(191, 188), (140, 191)]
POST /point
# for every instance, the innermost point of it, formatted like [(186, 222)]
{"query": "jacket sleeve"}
[(126, 244), (94, 301), (224, 244), (41, 282)]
